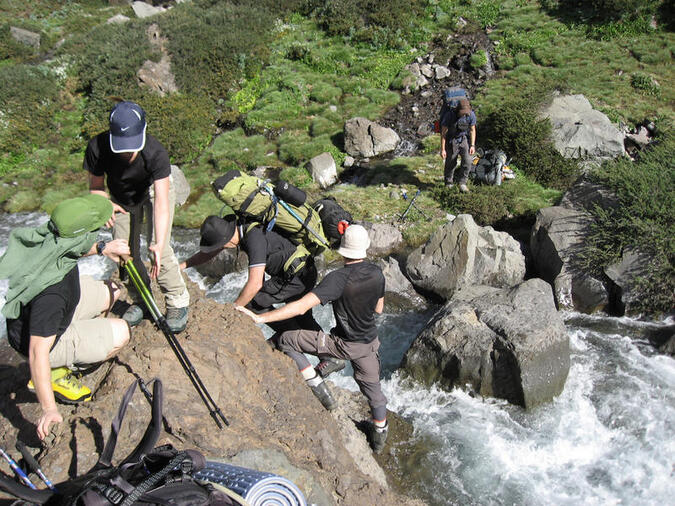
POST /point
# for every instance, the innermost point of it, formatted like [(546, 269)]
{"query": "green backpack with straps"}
[(254, 200)]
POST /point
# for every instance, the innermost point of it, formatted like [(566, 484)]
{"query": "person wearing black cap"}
[(290, 267), (456, 125), (132, 163)]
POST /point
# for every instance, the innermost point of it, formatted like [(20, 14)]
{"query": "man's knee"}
[(287, 341), (121, 333)]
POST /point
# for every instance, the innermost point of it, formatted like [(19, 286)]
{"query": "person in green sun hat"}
[(52, 311)]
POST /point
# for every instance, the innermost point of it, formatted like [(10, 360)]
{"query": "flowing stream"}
[(608, 439)]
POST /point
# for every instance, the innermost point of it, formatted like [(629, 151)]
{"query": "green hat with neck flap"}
[(79, 215)]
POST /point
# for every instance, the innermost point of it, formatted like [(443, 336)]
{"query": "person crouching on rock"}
[(51, 310), (356, 291)]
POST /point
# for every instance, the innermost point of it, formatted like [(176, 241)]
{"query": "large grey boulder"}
[(508, 343), (323, 170), (556, 240), (584, 195), (384, 239), (462, 253), (145, 10), (364, 138), (579, 131), (26, 37)]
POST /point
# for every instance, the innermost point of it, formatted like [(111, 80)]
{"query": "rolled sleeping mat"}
[(256, 487)]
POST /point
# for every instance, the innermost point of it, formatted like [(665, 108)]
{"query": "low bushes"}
[(644, 219)]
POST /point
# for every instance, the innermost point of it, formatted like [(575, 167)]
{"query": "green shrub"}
[(298, 176), (29, 100), (645, 84), (325, 93), (644, 219), (324, 126), (478, 59), (522, 59), (514, 127)]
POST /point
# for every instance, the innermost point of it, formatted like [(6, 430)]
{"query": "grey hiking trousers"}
[(363, 356), (460, 149)]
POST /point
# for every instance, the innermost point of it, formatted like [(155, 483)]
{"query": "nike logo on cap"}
[(125, 129)]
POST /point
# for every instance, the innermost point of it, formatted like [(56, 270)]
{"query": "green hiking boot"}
[(323, 394), (133, 315), (176, 318), (378, 437), (66, 386), (329, 365)]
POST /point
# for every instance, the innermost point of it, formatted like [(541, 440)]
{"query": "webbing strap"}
[(153, 479), (105, 460)]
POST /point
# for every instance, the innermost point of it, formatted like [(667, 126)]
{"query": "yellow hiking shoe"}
[(66, 386)]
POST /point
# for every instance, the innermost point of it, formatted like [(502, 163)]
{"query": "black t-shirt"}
[(354, 291), (128, 183), (49, 313), (267, 248)]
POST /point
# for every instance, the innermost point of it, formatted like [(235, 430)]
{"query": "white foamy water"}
[(608, 439)]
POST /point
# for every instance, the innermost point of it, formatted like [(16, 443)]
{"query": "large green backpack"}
[(254, 200)]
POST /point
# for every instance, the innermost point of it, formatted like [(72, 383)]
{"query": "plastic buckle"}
[(114, 494)]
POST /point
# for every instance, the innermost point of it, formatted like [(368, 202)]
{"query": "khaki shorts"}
[(87, 340)]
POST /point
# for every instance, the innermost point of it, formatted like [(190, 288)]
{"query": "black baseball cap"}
[(127, 128), (216, 232)]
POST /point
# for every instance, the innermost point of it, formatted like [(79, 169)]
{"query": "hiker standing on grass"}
[(458, 136), (356, 291), (131, 162), (291, 268), (51, 310)]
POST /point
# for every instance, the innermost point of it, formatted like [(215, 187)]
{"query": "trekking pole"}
[(412, 202), (160, 321), (32, 463), (15, 467)]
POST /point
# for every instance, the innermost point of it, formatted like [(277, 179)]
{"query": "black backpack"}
[(334, 219), (147, 476)]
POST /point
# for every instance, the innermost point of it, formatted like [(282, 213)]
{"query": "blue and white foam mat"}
[(256, 487)]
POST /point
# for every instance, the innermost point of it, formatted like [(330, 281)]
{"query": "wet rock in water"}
[(556, 241), (507, 343), (400, 294), (271, 411)]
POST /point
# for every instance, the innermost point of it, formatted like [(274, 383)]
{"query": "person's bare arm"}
[(97, 187), (40, 372), (295, 308), (161, 216), (444, 133), (198, 259), (256, 277), (472, 136), (379, 307)]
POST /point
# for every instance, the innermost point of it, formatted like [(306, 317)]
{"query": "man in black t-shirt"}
[(51, 310), (132, 162), (290, 268), (357, 293)]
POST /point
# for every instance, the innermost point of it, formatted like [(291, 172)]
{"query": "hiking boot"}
[(57, 373), (133, 315), (323, 394), (69, 390), (463, 188), (328, 366), (449, 185), (378, 437), (176, 318), (66, 386)]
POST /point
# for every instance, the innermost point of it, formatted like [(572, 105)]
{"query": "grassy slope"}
[(295, 107)]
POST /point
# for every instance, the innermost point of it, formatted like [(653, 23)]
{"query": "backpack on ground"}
[(451, 98), (282, 208), (147, 476), (488, 167)]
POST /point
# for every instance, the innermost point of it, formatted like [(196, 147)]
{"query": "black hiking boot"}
[(378, 437), (323, 394), (328, 366)]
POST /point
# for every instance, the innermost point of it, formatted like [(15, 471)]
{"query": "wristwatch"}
[(100, 246)]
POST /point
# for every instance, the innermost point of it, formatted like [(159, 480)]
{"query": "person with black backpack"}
[(458, 138), (290, 267)]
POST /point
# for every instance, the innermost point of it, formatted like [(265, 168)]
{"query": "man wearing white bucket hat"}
[(357, 293)]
